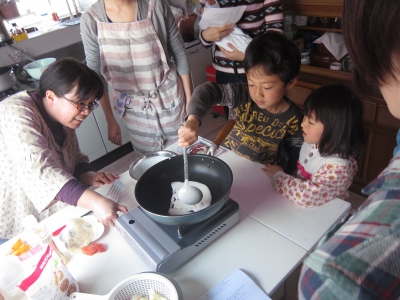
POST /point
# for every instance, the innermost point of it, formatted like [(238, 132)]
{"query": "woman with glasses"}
[(42, 169)]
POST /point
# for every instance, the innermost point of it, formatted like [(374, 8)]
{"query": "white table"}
[(256, 196), (271, 239)]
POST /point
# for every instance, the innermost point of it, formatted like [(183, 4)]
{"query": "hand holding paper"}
[(216, 17)]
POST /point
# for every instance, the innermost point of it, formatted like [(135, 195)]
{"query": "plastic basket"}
[(139, 284)]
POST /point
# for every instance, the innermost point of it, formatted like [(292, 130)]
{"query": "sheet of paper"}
[(237, 286), (214, 17)]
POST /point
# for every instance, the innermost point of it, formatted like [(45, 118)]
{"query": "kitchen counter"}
[(271, 239)]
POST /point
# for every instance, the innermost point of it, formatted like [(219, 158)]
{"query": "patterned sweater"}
[(319, 179), (360, 259), (259, 16), (33, 167)]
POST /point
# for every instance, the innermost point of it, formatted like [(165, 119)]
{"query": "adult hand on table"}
[(233, 54), (188, 133), (104, 209), (214, 34), (102, 178)]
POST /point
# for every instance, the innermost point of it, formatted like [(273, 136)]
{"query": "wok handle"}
[(224, 132)]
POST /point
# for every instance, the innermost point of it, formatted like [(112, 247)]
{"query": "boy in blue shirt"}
[(267, 128)]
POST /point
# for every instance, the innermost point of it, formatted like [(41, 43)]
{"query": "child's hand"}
[(188, 133), (271, 170)]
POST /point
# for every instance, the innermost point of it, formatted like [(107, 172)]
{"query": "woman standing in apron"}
[(131, 45)]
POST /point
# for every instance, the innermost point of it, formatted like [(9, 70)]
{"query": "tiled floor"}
[(209, 130)]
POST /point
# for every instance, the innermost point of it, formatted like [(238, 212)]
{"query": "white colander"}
[(139, 284)]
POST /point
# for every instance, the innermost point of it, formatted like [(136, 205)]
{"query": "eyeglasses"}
[(82, 106)]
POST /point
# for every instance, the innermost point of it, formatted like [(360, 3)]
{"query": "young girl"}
[(333, 139)]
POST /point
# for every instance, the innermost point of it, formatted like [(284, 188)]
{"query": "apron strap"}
[(149, 11), (95, 17)]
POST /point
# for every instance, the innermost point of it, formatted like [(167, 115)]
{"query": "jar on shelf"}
[(305, 57)]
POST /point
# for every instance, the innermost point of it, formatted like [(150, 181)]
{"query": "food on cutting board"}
[(80, 233), (153, 295), (19, 248), (93, 248), (178, 208)]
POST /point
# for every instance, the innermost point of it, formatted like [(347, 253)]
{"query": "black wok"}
[(153, 190)]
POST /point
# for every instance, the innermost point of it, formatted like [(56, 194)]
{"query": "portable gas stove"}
[(161, 246)]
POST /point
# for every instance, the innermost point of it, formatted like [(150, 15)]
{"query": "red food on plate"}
[(93, 248), (100, 247), (89, 250)]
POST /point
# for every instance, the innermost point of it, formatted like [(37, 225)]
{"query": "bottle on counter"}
[(45, 235)]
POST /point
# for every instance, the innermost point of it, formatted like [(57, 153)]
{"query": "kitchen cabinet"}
[(89, 138), (103, 127), (93, 135), (380, 126), (199, 58)]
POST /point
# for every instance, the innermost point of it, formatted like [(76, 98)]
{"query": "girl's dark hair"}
[(371, 38), (274, 54), (65, 74), (340, 111)]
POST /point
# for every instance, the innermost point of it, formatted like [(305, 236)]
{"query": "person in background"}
[(359, 259), (136, 48), (267, 128), (42, 168), (333, 139), (237, 37), (259, 17)]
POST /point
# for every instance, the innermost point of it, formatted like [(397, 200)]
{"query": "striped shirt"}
[(360, 259), (259, 17)]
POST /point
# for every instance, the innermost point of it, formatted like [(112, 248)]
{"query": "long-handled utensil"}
[(188, 194)]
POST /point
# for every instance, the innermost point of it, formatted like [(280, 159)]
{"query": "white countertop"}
[(271, 239)]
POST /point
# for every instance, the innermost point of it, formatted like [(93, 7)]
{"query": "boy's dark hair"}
[(274, 54), (371, 38), (64, 74), (340, 111)]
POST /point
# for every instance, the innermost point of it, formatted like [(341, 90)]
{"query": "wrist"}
[(203, 38), (193, 119)]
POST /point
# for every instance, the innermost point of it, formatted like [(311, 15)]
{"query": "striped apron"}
[(146, 89)]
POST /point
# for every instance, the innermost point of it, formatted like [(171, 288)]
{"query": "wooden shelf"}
[(316, 28), (326, 72)]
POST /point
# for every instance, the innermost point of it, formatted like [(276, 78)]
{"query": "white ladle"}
[(188, 194)]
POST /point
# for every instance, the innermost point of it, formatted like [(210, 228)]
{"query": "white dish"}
[(98, 229)]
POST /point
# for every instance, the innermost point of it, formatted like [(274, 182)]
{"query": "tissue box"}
[(9, 11)]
